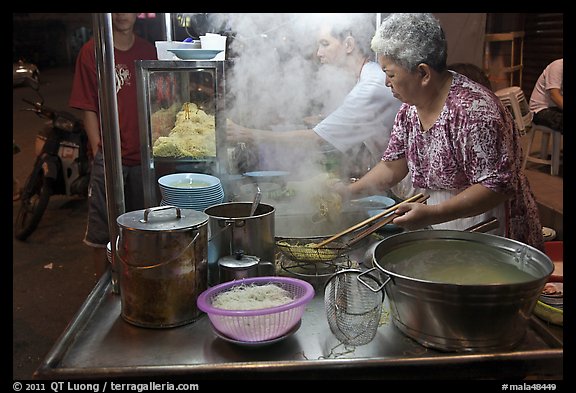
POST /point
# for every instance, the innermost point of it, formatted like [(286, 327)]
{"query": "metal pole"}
[(168, 26), (110, 134)]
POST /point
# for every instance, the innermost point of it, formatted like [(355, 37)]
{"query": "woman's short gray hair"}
[(411, 39)]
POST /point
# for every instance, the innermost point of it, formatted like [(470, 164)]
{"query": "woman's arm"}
[(378, 180), (474, 200)]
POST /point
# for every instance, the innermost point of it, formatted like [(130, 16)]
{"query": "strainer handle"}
[(359, 278)]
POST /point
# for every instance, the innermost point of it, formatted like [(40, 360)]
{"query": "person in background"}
[(452, 135), (473, 72), (128, 47), (547, 99), (360, 127)]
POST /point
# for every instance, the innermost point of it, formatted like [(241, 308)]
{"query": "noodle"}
[(252, 297), (193, 135)]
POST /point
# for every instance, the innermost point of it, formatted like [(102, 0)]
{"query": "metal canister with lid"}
[(239, 266), (163, 254)]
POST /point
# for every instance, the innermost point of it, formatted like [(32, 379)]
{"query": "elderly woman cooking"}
[(452, 135)]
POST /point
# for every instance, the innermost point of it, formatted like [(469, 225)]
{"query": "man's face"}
[(123, 22), (330, 49)]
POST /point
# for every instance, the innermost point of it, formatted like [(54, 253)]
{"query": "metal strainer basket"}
[(300, 250), (353, 306)]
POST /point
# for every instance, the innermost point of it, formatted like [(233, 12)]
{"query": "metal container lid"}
[(162, 218), (238, 261)]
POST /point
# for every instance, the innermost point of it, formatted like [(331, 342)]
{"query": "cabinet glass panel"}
[(183, 110)]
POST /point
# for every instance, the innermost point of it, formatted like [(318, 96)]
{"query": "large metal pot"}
[(163, 260), (233, 229), (463, 317)]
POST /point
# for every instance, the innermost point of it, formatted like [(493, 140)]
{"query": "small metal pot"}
[(239, 266), (236, 267)]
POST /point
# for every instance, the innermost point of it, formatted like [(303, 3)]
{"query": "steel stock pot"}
[(452, 316), (232, 230)]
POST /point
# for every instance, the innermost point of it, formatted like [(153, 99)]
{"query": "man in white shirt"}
[(360, 127), (547, 99)]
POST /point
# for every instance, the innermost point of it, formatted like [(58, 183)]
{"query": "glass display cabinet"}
[(182, 124)]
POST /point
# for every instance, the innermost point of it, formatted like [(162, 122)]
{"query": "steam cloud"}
[(274, 82), (276, 78)]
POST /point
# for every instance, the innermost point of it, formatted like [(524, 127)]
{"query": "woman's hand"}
[(414, 216), (470, 202), (341, 189)]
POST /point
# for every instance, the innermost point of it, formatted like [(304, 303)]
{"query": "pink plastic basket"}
[(262, 324)]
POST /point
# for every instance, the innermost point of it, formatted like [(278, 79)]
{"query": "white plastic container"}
[(214, 41)]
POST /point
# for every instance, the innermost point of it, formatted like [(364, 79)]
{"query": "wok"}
[(310, 226), (293, 232), (267, 176), (326, 248)]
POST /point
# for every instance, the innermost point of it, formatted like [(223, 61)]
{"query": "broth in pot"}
[(461, 291), (456, 262)]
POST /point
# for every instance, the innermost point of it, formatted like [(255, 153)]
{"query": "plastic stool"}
[(514, 100), (554, 160)]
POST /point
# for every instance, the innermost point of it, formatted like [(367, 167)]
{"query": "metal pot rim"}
[(246, 217), (159, 219), (450, 234)]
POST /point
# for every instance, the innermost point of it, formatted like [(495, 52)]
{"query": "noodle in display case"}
[(182, 123), (193, 135)]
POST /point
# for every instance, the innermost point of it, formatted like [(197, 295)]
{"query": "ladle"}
[(256, 202)]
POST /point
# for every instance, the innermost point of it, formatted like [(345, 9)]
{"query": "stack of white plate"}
[(195, 191)]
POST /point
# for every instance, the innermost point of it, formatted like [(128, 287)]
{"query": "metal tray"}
[(98, 343)]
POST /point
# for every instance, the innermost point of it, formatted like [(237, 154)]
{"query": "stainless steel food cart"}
[(98, 343)]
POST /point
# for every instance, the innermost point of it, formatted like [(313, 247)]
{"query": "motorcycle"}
[(22, 71), (62, 164)]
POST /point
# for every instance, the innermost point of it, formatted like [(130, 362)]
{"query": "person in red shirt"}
[(128, 47)]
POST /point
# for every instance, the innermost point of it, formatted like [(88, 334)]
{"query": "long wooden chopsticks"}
[(374, 227), (367, 221)]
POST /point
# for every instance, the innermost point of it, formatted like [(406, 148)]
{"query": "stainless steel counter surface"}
[(98, 343)]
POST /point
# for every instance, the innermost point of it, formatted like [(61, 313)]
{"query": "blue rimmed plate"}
[(267, 174), (196, 54)]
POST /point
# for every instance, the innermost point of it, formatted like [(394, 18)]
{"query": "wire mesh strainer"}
[(301, 250), (353, 306)]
